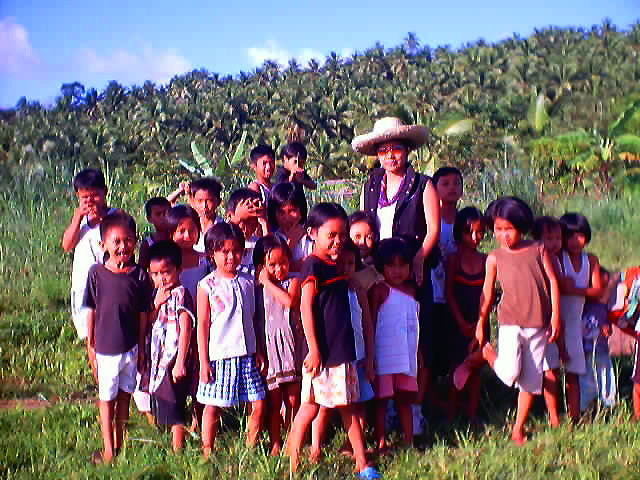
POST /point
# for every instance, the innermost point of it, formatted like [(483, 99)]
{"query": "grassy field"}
[(41, 359)]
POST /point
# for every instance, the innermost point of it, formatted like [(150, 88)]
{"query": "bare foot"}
[(518, 438), (206, 452), (315, 454), (293, 462), (275, 450), (101, 457)]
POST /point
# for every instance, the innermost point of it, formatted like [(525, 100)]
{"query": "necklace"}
[(383, 201)]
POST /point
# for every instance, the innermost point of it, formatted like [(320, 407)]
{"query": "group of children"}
[(305, 312)]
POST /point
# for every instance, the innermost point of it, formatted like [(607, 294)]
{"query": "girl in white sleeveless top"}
[(580, 279)]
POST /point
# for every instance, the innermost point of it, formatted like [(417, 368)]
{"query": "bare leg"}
[(473, 392), (525, 399), (301, 422), (253, 424), (318, 430), (274, 421), (404, 401), (379, 426), (121, 418), (550, 391), (177, 437), (106, 426), (636, 401), (210, 424), (354, 432), (573, 396), (291, 396)]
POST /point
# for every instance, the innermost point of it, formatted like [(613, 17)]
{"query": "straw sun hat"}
[(387, 129)]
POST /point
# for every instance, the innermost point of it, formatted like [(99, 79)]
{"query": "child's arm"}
[(431, 204), (547, 264), (179, 369), (71, 234), (313, 360), (143, 322), (304, 179), (91, 341), (486, 299), (183, 189), (464, 326), (204, 324), (596, 289), (284, 297), (377, 295), (367, 333)]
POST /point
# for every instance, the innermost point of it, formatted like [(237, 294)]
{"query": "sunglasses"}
[(393, 149)]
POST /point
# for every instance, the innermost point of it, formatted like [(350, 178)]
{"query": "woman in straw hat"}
[(405, 204)]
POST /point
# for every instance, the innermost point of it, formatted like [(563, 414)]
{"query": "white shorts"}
[(79, 313), (116, 372), (521, 356)]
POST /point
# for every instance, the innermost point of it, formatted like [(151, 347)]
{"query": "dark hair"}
[(362, 216), (349, 246), (166, 250), (282, 194), (463, 221), (294, 149), (322, 212), (261, 151), (390, 249), (512, 209), (177, 214), (155, 202), (265, 245), (444, 171), (209, 184), (239, 195), (89, 178), (575, 223), (118, 218), (221, 232), (542, 224)]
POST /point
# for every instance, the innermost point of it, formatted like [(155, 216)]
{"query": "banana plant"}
[(203, 166)]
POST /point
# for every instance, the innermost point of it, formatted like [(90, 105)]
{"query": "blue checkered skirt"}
[(233, 380)]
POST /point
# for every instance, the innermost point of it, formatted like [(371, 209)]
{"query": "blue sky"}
[(43, 45)]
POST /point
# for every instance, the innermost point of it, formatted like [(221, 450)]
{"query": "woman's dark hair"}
[(294, 149), (282, 194), (239, 195), (444, 171), (512, 209), (177, 214), (575, 223), (463, 221), (261, 151), (265, 245), (362, 216), (89, 178), (118, 218), (542, 224), (166, 250), (322, 212), (349, 246), (155, 202), (221, 232), (390, 249)]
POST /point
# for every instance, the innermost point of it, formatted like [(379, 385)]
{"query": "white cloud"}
[(17, 56), (134, 66), (273, 51)]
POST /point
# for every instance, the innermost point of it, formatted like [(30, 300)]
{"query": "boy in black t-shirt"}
[(118, 297), (292, 170)]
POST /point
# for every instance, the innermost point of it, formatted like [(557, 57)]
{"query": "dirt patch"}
[(24, 404)]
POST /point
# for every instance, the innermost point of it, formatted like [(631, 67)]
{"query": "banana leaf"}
[(628, 143), (618, 127), (238, 155), (203, 162), (537, 115)]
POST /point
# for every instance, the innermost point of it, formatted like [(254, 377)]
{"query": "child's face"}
[(347, 263), (474, 234), (228, 257), (449, 188), (264, 167), (396, 272), (329, 238), (575, 243), (552, 239), (158, 217), (288, 216), (186, 234), (277, 264), (164, 273), (293, 163), (506, 234), (205, 203), (91, 200), (120, 243), (362, 235), (393, 156)]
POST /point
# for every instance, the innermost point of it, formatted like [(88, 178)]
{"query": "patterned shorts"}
[(233, 380), (332, 386)]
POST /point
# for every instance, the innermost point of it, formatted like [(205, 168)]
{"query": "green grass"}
[(41, 357)]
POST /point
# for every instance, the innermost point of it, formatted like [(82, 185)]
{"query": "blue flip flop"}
[(368, 473)]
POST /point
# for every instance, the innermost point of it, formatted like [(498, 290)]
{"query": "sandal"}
[(368, 473)]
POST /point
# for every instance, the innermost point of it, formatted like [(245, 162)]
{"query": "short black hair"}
[(155, 202), (89, 178), (209, 184), (362, 216), (260, 151), (544, 223), (239, 195), (118, 218), (282, 193), (463, 220), (323, 212), (294, 149), (444, 171), (166, 250), (221, 232), (265, 244), (512, 209), (391, 248), (178, 213), (349, 246), (575, 223)]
